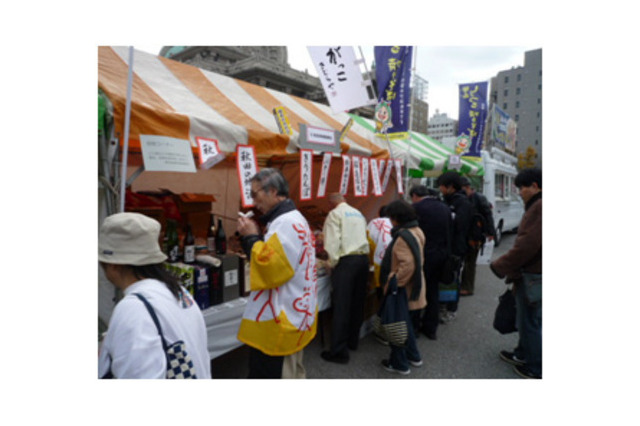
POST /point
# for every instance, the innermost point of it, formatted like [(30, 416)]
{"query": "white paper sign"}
[(387, 174), (341, 77), (346, 169), (398, 164), (247, 166), (365, 176), (165, 154), (210, 154), (306, 173), (381, 170), (375, 178), (357, 176), (324, 175)]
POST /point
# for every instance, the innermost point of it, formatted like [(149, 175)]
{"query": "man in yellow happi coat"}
[(280, 317)]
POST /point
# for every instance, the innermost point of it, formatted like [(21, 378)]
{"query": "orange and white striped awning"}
[(173, 99)]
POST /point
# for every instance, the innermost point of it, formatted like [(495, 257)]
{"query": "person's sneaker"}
[(511, 358), (416, 363), (524, 372), (387, 366)]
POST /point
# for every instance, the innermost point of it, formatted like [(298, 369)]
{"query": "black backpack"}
[(476, 230)]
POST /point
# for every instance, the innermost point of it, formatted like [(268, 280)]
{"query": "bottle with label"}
[(211, 235), (189, 245), (173, 245), (221, 239)]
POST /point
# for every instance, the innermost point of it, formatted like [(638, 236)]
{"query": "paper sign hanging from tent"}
[(209, 151), (165, 154), (375, 178), (346, 169), (398, 164), (324, 175), (387, 174), (381, 169), (365, 176), (357, 176), (282, 120), (247, 166), (306, 173), (341, 77)]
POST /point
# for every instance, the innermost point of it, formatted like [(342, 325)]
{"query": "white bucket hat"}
[(130, 239)]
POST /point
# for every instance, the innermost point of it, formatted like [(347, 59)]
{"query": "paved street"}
[(466, 348)]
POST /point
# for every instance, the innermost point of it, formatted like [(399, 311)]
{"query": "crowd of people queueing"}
[(414, 244)]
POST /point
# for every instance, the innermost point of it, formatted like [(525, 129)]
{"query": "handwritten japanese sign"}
[(387, 174), (306, 173), (365, 176), (375, 178), (346, 169), (209, 151), (341, 78), (247, 166), (324, 175), (357, 176), (398, 164)]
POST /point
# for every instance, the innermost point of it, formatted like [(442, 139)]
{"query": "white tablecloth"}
[(223, 321)]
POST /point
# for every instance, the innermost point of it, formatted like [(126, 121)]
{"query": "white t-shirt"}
[(132, 347)]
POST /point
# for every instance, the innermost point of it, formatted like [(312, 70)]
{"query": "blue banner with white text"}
[(471, 118), (393, 76)]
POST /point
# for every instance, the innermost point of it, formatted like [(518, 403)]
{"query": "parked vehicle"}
[(499, 188)]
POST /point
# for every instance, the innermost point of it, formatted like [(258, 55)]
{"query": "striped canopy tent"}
[(173, 99)]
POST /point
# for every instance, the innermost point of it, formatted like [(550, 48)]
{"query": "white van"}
[(499, 188)]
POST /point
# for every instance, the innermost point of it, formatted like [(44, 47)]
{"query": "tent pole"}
[(125, 150), (412, 98)]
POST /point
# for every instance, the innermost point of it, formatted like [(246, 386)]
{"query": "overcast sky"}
[(443, 67)]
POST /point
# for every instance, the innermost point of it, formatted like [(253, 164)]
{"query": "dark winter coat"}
[(462, 211), (526, 253)]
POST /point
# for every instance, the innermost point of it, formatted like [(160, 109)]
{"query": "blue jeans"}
[(529, 321), (399, 358)]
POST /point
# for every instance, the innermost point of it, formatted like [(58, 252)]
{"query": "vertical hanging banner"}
[(324, 175), (209, 152), (393, 75), (381, 169), (375, 178), (365, 176), (472, 115), (247, 166), (306, 173), (357, 176), (341, 78), (346, 169), (398, 164), (387, 174), (282, 120)]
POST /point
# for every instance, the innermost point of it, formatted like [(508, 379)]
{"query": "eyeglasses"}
[(254, 193)]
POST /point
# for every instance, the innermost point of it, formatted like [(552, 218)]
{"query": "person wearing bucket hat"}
[(129, 254)]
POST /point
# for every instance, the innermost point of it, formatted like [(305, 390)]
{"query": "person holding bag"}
[(522, 266), (402, 263)]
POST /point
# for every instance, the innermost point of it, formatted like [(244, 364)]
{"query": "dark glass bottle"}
[(221, 239), (173, 245), (189, 246), (211, 235)]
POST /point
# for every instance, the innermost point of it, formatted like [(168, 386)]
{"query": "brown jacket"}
[(526, 253), (403, 265)]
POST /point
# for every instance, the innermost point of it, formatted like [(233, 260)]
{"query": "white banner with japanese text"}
[(209, 152), (387, 174), (398, 164), (365, 176), (247, 166), (341, 77), (346, 169), (324, 175), (306, 173), (357, 176), (375, 178)]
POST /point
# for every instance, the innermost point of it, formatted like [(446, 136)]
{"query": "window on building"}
[(506, 92), (504, 106), (517, 118), (517, 104), (517, 90), (506, 79), (519, 77)]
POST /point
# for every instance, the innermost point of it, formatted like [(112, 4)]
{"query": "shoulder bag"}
[(392, 321), (504, 319)]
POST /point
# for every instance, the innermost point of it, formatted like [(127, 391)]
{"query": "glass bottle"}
[(173, 245), (221, 239), (211, 235), (189, 245)]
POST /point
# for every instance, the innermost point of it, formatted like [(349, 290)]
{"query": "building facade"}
[(518, 92), (441, 126)]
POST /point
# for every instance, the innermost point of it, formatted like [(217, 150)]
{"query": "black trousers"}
[(263, 366), (432, 273), (349, 289)]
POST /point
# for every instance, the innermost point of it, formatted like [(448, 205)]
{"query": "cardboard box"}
[(230, 276)]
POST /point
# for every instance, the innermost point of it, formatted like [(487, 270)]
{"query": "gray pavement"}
[(466, 348)]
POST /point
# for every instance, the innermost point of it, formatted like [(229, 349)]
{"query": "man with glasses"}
[(280, 317)]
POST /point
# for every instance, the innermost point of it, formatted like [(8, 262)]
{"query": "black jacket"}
[(462, 212), (482, 206), (434, 218)]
